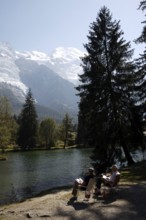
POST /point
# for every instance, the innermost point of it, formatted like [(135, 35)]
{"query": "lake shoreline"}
[(57, 205), (53, 190), (29, 174), (44, 149)]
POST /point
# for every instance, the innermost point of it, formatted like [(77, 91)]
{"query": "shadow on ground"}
[(129, 203)]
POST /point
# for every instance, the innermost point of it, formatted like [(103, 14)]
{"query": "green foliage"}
[(107, 106), (48, 133), (5, 137), (140, 87), (28, 124), (66, 131), (8, 126), (134, 173), (141, 71), (142, 37)]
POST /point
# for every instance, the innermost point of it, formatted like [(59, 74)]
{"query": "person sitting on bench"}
[(109, 180), (82, 183)]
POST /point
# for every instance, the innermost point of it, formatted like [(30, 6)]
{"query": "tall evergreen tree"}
[(141, 69), (28, 124), (140, 87), (66, 129), (106, 106)]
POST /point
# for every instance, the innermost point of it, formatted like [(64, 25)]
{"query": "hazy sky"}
[(43, 25)]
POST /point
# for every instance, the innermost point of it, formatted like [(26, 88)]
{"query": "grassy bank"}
[(135, 173)]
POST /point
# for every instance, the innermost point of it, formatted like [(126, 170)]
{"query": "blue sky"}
[(43, 25)]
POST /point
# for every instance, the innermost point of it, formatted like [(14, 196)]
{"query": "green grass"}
[(135, 173)]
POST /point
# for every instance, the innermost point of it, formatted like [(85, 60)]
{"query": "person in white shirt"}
[(108, 180)]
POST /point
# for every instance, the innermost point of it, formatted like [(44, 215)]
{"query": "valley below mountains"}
[(51, 78)]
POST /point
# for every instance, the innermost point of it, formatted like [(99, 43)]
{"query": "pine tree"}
[(28, 124), (142, 5), (106, 90), (66, 129), (140, 87), (141, 70)]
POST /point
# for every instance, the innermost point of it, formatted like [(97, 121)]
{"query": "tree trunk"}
[(64, 144), (127, 154)]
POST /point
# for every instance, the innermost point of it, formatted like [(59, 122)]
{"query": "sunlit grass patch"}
[(134, 173)]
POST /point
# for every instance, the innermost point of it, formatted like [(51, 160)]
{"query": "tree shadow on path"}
[(129, 203), (77, 205)]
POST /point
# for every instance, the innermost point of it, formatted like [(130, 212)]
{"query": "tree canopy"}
[(7, 124), (107, 105), (48, 132)]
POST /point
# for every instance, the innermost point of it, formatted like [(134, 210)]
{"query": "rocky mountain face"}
[(52, 79)]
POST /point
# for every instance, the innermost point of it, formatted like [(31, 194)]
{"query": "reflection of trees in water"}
[(26, 174), (13, 193), (19, 194)]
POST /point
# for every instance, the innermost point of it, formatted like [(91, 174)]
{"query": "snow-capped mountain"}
[(64, 61), (9, 72), (52, 78)]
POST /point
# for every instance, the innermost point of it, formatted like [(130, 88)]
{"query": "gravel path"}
[(128, 203)]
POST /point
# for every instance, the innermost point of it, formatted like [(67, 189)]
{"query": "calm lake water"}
[(25, 174)]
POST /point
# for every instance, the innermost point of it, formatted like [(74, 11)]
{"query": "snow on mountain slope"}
[(9, 72), (39, 57), (54, 75), (64, 61)]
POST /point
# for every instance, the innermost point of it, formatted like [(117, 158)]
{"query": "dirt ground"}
[(129, 202)]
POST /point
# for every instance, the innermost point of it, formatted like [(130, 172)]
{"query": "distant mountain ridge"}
[(52, 79), (64, 61)]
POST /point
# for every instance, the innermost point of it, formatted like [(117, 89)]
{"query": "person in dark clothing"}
[(82, 183)]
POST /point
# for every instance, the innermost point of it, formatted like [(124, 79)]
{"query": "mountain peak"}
[(67, 53), (65, 61), (51, 77), (39, 57)]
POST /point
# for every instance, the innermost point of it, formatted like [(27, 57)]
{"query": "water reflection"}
[(26, 174)]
